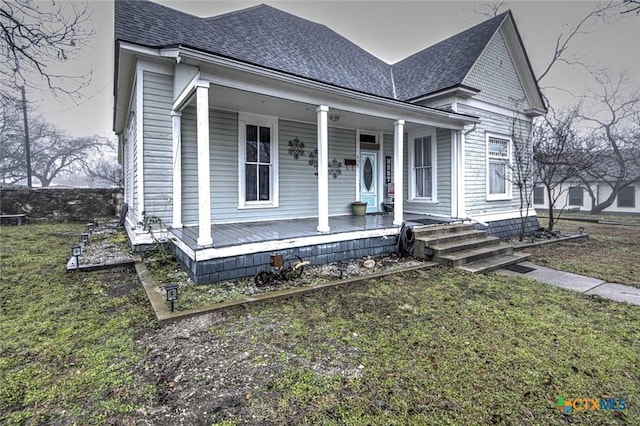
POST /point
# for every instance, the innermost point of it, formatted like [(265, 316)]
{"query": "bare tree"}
[(605, 12), (490, 8), (11, 143), (632, 6), (559, 156), (106, 169), (52, 151), (34, 36), (615, 140)]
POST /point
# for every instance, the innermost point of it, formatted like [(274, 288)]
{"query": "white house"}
[(254, 131), (573, 196)]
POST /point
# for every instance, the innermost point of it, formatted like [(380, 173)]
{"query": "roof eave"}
[(215, 59)]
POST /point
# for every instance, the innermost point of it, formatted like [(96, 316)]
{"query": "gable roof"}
[(268, 37), (260, 35), (445, 64)]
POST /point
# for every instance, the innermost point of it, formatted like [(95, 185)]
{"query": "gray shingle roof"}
[(268, 37), (260, 35), (445, 64)]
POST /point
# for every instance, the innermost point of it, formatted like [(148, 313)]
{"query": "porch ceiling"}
[(232, 99)]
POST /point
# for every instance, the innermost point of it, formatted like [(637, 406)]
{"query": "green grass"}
[(424, 347), (611, 253), (68, 348), (442, 347)]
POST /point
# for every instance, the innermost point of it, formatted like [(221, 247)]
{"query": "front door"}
[(369, 180)]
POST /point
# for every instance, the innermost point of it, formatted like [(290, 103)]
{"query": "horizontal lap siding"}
[(476, 160), (342, 189), (444, 173), (131, 169), (223, 137), (443, 177), (189, 167), (157, 133), (298, 184)]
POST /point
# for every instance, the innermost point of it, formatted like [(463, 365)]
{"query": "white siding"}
[(476, 160), (602, 190), (443, 177), (298, 184), (189, 168), (157, 130), (130, 168)]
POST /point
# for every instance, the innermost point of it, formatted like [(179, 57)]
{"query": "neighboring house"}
[(252, 132), (575, 197)]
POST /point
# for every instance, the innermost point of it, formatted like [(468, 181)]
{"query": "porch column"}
[(398, 200), (204, 179), (323, 173), (460, 204), (176, 120)]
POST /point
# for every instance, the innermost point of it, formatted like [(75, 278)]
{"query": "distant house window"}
[(258, 161), (576, 196), (422, 157), (498, 160), (627, 197), (538, 195)]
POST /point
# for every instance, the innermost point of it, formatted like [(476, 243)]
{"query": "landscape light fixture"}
[(171, 290), (84, 238), (90, 227), (76, 251)]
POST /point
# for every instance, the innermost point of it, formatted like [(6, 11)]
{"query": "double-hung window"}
[(422, 152), (498, 161), (258, 166)]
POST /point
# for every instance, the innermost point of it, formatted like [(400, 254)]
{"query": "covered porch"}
[(243, 249)]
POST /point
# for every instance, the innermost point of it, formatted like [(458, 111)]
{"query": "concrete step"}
[(435, 239), (463, 257), (429, 230), (468, 243), (494, 262)]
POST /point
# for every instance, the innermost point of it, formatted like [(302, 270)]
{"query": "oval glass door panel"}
[(368, 174)]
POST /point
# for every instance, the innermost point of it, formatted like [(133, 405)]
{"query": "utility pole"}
[(27, 146)]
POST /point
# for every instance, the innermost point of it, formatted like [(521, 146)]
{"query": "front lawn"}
[(68, 339), (611, 252), (425, 347)]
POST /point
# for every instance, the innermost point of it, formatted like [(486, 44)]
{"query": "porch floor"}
[(232, 234)]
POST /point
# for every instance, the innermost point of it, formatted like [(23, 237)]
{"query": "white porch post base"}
[(398, 206), (176, 119), (204, 180), (323, 173)]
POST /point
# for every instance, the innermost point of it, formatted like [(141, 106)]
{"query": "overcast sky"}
[(390, 30)]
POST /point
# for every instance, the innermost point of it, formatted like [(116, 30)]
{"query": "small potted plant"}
[(359, 208)]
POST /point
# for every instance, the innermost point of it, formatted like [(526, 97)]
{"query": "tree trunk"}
[(550, 210), (597, 209)]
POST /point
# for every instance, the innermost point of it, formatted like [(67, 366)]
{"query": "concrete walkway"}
[(579, 283)]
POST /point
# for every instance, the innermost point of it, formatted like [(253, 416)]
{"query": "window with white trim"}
[(422, 157), (258, 161), (498, 160)]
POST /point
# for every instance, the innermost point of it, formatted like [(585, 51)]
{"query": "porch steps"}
[(462, 246)]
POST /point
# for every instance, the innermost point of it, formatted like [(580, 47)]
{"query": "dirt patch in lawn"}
[(421, 347)]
